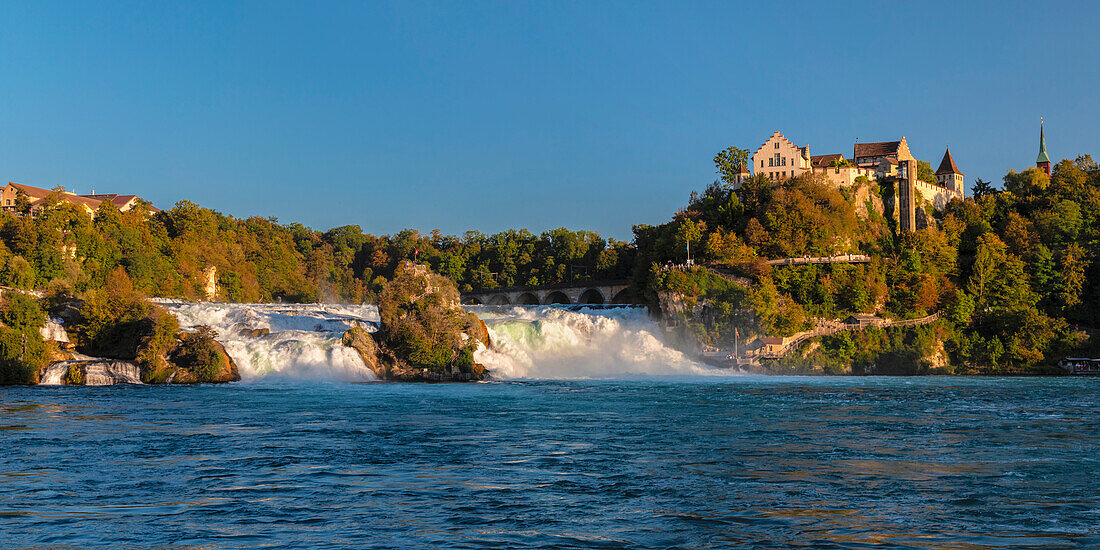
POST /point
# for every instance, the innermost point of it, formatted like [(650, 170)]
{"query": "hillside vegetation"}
[(1015, 271)]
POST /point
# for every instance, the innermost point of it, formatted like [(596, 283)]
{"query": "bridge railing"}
[(555, 286)]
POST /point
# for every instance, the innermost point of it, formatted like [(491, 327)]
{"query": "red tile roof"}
[(31, 191), (879, 149), (947, 165), (823, 161)]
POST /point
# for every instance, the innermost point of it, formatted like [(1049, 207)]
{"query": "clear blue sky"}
[(487, 116)]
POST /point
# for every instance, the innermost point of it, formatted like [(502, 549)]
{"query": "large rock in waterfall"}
[(425, 335)]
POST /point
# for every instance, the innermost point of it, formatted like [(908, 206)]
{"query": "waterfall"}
[(549, 342), (286, 340), (303, 341), (97, 371)]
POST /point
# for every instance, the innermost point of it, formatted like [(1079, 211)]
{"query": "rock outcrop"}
[(201, 358), (424, 335)]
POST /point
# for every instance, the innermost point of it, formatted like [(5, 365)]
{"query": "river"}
[(684, 462), (593, 435)]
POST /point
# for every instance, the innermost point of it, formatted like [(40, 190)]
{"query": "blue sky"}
[(487, 116)]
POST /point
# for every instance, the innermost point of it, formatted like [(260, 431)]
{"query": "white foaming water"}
[(528, 342), (547, 342), (304, 339), (97, 371)]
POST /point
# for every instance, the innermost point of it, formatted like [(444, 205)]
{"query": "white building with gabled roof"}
[(780, 159)]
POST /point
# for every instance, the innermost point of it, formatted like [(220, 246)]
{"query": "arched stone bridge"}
[(593, 292)]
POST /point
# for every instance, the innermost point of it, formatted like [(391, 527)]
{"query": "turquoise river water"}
[(634, 462)]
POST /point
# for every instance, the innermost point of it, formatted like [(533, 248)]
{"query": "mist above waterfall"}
[(285, 340), (304, 341), (550, 342)]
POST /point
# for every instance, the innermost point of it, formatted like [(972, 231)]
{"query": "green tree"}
[(981, 188), (17, 273), (22, 312), (925, 172), (729, 162)]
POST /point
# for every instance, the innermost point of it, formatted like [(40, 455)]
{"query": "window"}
[(771, 162), (777, 145)]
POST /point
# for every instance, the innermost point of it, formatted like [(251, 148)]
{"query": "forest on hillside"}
[(258, 259), (1014, 270)]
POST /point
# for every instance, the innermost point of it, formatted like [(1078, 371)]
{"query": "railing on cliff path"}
[(827, 328), (725, 274), (838, 259), (804, 260)]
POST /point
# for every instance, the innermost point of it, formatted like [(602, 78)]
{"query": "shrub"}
[(199, 353), (74, 376), (159, 339)]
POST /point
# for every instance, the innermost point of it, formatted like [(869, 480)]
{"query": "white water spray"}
[(528, 342), (548, 342), (288, 340)]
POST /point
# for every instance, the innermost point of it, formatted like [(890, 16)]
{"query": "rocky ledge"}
[(424, 335)]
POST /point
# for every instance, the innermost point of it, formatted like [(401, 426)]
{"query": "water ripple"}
[(757, 462)]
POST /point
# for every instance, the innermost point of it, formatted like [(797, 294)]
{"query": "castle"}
[(891, 162)]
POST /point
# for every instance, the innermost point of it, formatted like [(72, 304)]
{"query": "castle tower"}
[(949, 175), (906, 201), (1043, 162)]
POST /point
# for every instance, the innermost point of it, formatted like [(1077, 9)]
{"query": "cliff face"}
[(425, 335)]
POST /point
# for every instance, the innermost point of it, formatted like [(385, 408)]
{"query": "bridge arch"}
[(622, 297), (591, 296), (499, 300), (556, 297), (527, 299), (471, 301)]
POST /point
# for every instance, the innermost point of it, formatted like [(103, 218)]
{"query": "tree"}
[(689, 233), (981, 188), (22, 312), (1026, 184), (729, 162), (961, 309), (925, 172), (17, 273), (1072, 277), (990, 254), (22, 202)]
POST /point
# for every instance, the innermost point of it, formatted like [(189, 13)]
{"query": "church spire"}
[(1043, 161)]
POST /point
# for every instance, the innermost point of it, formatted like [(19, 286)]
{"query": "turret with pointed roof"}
[(947, 165), (948, 174), (1043, 161)]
